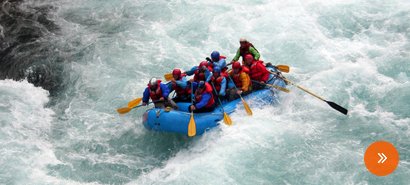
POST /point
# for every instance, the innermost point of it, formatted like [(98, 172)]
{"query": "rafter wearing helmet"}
[(246, 48)]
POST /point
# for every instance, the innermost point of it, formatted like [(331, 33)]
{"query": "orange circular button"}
[(381, 158)]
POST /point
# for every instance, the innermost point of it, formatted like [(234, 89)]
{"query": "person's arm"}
[(245, 81), (222, 63), (204, 101), (165, 90), (208, 76), (223, 87), (145, 96), (238, 54), (191, 71), (182, 83), (255, 53)]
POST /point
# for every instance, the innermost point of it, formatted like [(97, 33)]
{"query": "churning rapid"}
[(67, 65)]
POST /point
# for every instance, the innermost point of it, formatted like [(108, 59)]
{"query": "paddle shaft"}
[(274, 86), (331, 104), (233, 82), (216, 93), (300, 87), (275, 73)]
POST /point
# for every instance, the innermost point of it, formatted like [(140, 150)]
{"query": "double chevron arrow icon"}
[(382, 158)]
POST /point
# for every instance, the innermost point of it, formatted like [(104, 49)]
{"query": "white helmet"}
[(153, 82)]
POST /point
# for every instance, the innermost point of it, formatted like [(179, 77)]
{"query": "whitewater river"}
[(67, 65)]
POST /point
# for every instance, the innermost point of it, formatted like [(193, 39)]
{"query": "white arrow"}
[(382, 158)]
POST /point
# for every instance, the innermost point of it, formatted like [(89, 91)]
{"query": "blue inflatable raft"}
[(176, 121)]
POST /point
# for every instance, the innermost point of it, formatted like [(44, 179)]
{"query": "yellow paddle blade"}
[(279, 88), (191, 126), (247, 108), (123, 110), (283, 68), (227, 119), (134, 103), (168, 76)]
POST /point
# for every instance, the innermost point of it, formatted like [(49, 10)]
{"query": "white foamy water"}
[(354, 53)]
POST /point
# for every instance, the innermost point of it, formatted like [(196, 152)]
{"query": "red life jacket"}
[(199, 76), (236, 79), (179, 90), (258, 71), (245, 50), (217, 82), (157, 94), (208, 89)]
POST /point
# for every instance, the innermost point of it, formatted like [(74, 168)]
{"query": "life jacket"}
[(217, 82), (258, 71), (157, 94), (199, 76), (236, 77), (208, 89), (179, 90), (245, 50)]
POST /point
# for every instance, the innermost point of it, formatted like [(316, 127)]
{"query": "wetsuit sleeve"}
[(245, 81), (223, 87), (191, 71), (222, 63), (238, 54), (194, 86), (182, 83), (165, 90), (208, 76), (255, 53), (204, 101), (145, 96)]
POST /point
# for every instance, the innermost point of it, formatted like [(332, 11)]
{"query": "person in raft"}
[(204, 98), (240, 82), (158, 92), (257, 72), (181, 87), (245, 48), (219, 81), (217, 60), (200, 72)]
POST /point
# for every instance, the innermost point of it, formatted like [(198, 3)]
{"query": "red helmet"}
[(236, 65), (203, 64), (176, 72), (248, 57)]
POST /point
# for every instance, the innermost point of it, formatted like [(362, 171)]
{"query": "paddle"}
[(283, 68), (331, 104), (247, 108), (125, 110), (274, 86), (227, 119), (191, 124), (130, 106), (134, 102), (168, 76)]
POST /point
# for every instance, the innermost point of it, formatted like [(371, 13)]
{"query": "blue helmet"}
[(217, 69), (201, 84), (215, 56)]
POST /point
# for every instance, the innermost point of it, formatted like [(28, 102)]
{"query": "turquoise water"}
[(354, 53)]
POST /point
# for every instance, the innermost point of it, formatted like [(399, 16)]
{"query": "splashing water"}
[(355, 53)]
